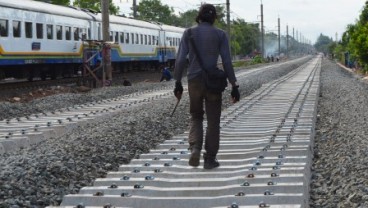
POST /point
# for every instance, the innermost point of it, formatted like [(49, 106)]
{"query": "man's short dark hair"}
[(207, 13)]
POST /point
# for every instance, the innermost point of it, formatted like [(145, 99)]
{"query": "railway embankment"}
[(339, 171), (42, 174)]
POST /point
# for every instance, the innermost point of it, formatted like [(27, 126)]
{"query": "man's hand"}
[(178, 91), (235, 95)]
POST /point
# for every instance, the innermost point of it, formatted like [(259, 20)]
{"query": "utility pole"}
[(134, 9), (262, 32), (106, 53), (336, 36), (279, 36), (293, 43), (287, 40), (296, 36), (228, 20), (301, 42)]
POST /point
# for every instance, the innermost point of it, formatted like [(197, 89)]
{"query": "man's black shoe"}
[(210, 163), (194, 158)]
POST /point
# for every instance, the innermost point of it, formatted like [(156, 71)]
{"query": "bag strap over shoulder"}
[(196, 50)]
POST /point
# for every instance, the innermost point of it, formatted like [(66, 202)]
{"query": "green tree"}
[(245, 37), (153, 10), (339, 51), (221, 20), (187, 19), (96, 5), (355, 40), (323, 44), (358, 45), (363, 18)]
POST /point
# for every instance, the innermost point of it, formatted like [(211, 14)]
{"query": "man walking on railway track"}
[(210, 43)]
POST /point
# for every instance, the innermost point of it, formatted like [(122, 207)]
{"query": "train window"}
[(50, 32), (141, 39), (39, 30), (149, 40), (3, 28), (116, 37), (132, 35), (99, 31), (127, 38), (121, 37), (136, 39), (59, 32), (68, 31), (76, 33), (16, 29), (111, 36), (145, 39), (153, 40), (29, 29), (89, 33), (83, 33)]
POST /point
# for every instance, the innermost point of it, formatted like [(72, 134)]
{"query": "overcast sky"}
[(310, 17)]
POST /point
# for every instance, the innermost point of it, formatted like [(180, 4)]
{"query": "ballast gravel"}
[(41, 175), (340, 165)]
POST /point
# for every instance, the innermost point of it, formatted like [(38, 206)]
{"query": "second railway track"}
[(265, 156)]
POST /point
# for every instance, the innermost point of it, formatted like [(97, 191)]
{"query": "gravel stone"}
[(42, 174), (339, 171)]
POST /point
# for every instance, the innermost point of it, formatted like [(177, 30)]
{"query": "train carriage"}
[(135, 43), (172, 40), (35, 35), (38, 39)]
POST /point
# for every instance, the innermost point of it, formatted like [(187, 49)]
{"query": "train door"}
[(162, 47)]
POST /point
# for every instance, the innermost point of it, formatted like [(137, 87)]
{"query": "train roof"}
[(131, 22), (171, 28), (37, 6)]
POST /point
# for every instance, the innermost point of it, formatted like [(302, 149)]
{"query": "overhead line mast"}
[(228, 19), (106, 53)]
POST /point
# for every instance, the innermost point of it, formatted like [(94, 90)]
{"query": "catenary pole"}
[(134, 9), (228, 20), (106, 47), (287, 40), (262, 32), (278, 20)]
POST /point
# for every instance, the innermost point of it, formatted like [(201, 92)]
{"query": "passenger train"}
[(39, 39)]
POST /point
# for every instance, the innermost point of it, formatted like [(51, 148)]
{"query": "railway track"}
[(16, 86), (265, 153), (24, 131), (265, 156)]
